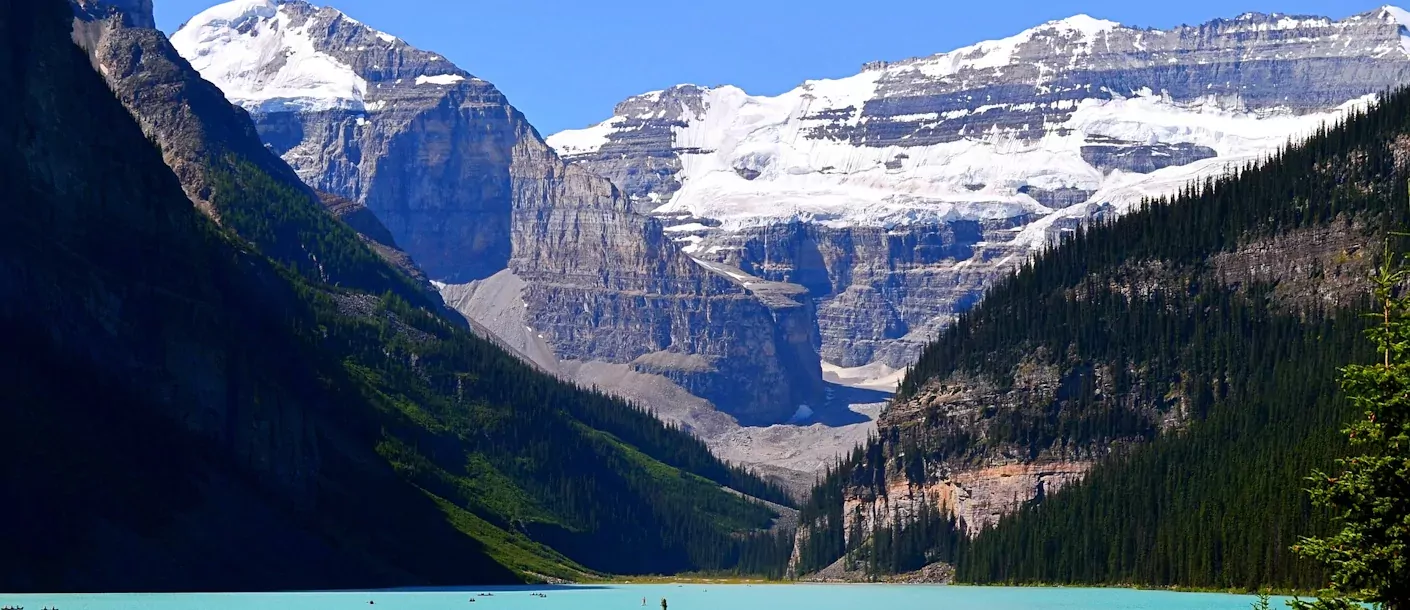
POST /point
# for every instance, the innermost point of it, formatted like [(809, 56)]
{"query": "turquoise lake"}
[(679, 597)]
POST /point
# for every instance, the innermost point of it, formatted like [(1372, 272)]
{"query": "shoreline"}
[(706, 580)]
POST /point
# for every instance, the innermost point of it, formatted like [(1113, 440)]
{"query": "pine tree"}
[(1370, 497)]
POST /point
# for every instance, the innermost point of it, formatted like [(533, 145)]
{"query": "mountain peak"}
[(803, 153), (136, 13), (1078, 29), (1082, 23), (236, 13), (240, 13), (1396, 14), (290, 55), (232, 45)]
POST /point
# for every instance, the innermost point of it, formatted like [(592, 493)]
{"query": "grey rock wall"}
[(465, 185), (880, 294)]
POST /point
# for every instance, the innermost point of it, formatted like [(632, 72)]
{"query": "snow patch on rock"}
[(999, 53), (804, 413), (439, 79)]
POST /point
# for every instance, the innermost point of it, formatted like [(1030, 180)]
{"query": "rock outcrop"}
[(978, 497), (133, 13)]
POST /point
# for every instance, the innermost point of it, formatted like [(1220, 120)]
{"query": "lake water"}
[(679, 597)]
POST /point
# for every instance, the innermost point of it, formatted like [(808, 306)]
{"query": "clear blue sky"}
[(566, 63)]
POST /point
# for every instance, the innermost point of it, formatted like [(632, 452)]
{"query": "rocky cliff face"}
[(188, 115), (605, 284), (360, 114), (954, 445), (941, 450), (880, 293), (466, 186), (1025, 136), (977, 497)]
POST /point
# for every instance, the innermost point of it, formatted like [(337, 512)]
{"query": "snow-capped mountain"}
[(1071, 111), (547, 257), (1005, 142), (311, 76), (263, 55)]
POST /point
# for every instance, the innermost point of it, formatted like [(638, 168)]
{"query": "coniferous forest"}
[(1216, 501)]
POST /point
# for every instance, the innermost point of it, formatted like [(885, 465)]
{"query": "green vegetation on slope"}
[(1213, 502), (266, 405), (284, 222), (508, 424), (480, 429)]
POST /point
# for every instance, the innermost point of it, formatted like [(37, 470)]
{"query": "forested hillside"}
[(264, 404), (1195, 344)]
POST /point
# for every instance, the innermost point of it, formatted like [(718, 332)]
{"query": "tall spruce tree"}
[(1370, 497)]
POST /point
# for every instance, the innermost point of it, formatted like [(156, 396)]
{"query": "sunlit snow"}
[(1401, 17), (249, 49), (440, 79), (753, 160)]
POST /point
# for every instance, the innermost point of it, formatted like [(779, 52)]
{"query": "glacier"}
[(749, 160)]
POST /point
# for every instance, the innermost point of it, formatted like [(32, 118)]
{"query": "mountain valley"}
[(816, 239), (293, 304)]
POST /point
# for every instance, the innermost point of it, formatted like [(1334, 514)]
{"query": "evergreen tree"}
[(1370, 497)]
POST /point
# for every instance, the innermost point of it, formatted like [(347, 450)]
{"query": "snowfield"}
[(841, 184), (236, 43), (755, 160)]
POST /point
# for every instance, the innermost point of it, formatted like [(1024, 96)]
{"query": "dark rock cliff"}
[(164, 430), (201, 135)]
